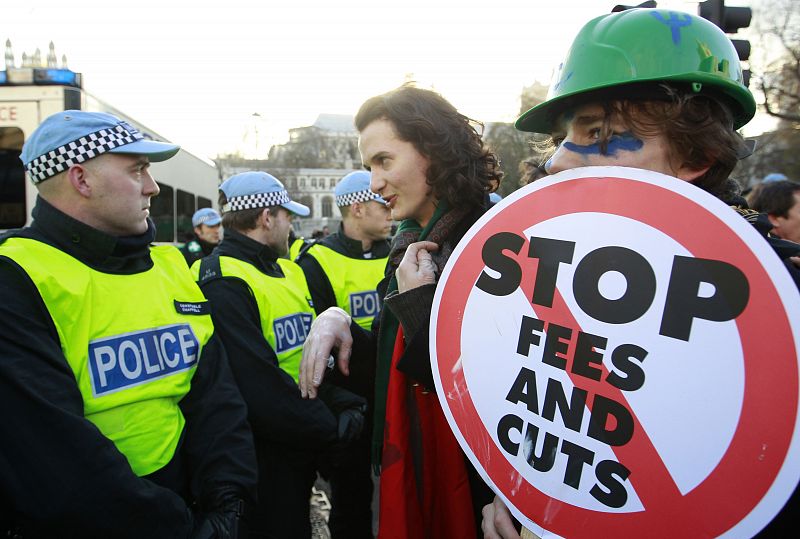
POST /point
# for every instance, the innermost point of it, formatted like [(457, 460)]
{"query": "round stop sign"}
[(617, 353)]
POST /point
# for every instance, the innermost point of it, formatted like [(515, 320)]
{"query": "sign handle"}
[(527, 534)]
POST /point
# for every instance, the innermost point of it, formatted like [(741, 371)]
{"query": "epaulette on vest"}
[(209, 269)]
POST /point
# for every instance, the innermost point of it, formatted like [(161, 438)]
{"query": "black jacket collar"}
[(96, 249)]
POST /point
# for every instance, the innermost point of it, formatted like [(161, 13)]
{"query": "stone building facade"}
[(310, 165)]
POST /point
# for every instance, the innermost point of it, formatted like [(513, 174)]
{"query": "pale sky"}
[(196, 72)]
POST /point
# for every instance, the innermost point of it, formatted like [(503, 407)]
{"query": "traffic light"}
[(730, 20), (623, 7)]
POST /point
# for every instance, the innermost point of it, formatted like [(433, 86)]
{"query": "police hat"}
[(258, 190), (355, 188), (206, 216), (74, 136)]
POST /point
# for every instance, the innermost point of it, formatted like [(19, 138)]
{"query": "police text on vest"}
[(363, 304), (291, 331), (131, 359)]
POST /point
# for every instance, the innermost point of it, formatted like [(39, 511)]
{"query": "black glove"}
[(348, 408), (220, 510), (217, 525), (351, 423)]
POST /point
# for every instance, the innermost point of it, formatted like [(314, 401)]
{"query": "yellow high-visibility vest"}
[(284, 306), (353, 281), (132, 341)]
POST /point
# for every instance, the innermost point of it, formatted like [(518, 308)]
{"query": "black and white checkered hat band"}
[(358, 196), (259, 200), (85, 148)]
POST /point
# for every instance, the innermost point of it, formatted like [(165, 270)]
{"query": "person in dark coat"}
[(262, 309), (429, 164)]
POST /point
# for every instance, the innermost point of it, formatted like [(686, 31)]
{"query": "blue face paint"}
[(674, 22), (627, 142)]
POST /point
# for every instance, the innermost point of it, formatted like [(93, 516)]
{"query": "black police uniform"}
[(59, 476), (289, 430)]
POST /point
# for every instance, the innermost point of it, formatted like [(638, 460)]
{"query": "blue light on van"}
[(56, 76), (24, 76)]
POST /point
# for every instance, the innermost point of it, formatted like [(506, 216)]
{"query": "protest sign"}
[(617, 353)]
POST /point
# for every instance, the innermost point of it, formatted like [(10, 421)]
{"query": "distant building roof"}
[(340, 123)]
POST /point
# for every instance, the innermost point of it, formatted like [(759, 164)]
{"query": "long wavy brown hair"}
[(462, 170)]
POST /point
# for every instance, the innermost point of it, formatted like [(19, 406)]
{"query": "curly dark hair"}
[(697, 127), (462, 170)]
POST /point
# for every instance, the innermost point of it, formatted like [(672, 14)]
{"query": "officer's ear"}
[(266, 219), (78, 178), (357, 209)]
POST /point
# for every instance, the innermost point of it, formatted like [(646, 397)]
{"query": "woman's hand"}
[(417, 267)]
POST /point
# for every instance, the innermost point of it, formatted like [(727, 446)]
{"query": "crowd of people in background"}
[(219, 386)]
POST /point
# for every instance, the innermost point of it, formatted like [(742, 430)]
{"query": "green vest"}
[(132, 341), (284, 305), (353, 281)]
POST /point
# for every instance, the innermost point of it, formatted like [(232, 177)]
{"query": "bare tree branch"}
[(779, 78)]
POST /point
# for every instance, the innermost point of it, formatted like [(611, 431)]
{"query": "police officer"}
[(263, 309), (206, 222), (343, 270), (123, 417)]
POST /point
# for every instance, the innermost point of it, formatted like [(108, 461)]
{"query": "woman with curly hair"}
[(430, 165)]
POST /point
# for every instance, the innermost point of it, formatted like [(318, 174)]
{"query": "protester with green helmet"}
[(657, 90)]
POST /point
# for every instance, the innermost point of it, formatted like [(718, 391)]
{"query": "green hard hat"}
[(640, 46)]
